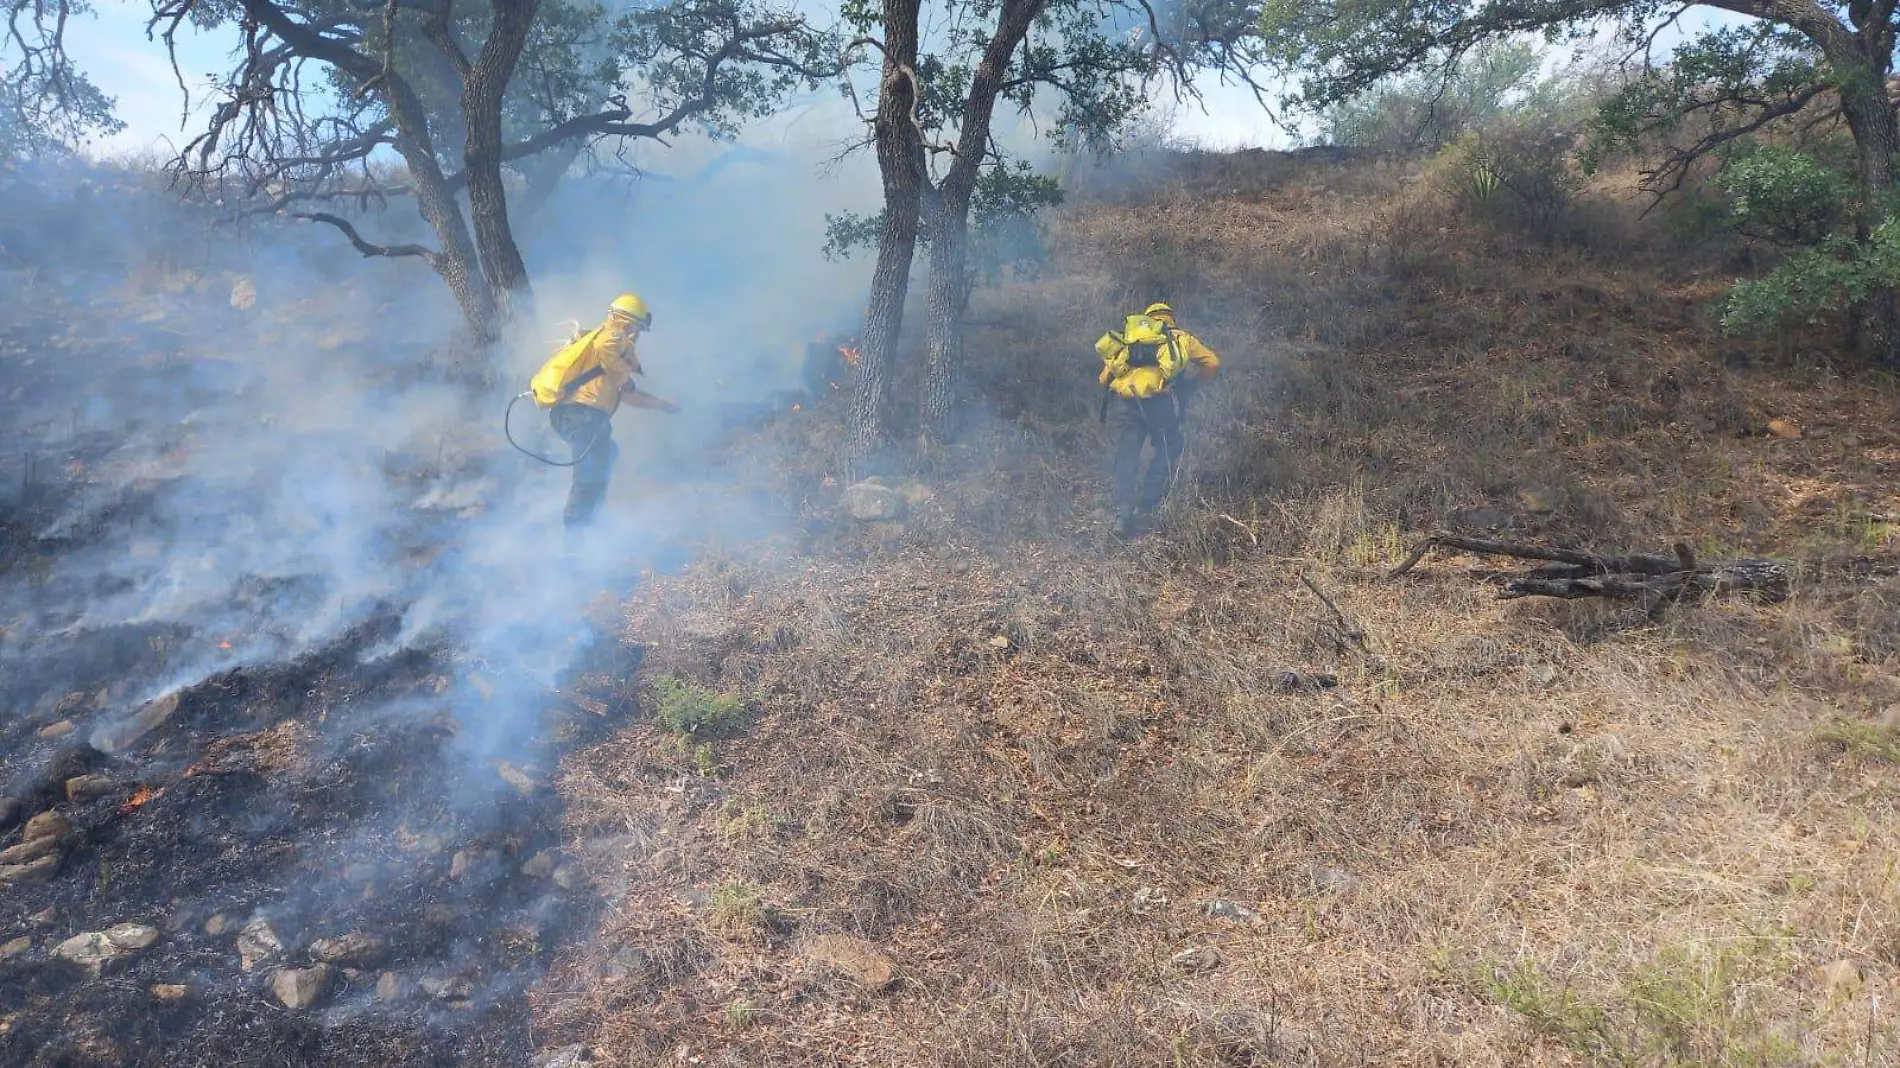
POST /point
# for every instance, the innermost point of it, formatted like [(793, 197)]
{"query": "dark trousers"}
[(1139, 422), (579, 425)]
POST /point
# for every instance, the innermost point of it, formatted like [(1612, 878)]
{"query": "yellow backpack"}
[(556, 378), (1143, 343)]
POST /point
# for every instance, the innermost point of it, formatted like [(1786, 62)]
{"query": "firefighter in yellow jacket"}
[(582, 386), (1149, 370)]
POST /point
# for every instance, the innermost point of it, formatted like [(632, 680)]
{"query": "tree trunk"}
[(900, 163), (1870, 117), (948, 288), (483, 88), (455, 260)]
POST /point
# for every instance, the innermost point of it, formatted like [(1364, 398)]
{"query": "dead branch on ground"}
[(1653, 580)]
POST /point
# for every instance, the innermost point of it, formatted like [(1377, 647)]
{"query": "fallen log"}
[(1653, 580)]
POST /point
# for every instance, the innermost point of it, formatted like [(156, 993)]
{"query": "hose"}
[(507, 429)]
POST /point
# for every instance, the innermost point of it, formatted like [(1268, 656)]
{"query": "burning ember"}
[(850, 354), (132, 804)]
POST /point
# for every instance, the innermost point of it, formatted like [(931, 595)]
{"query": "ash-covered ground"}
[(288, 652)]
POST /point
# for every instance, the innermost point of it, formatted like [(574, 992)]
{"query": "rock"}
[(257, 943), (1540, 500), (9, 811), (1784, 429), (541, 865), (871, 501), (44, 917), (57, 730), (15, 948), (1840, 978), (95, 951), (38, 871), (217, 925), (116, 738), (567, 877), (519, 778), (299, 988), (1148, 899), (46, 825), (1206, 958), (854, 957), (1229, 910), (29, 850), (1334, 879), (170, 992), (389, 987), (353, 948), (627, 962), (565, 1057), (83, 788), (445, 989)]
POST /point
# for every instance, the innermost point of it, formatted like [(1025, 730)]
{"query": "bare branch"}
[(429, 256)]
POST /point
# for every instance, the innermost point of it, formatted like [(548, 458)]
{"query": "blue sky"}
[(111, 46)]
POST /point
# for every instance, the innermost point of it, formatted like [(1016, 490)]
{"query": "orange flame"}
[(850, 354), (132, 804)]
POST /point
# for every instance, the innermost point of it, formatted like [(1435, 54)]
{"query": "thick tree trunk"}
[(948, 288), (900, 162), (455, 260), (483, 88), (1870, 118)]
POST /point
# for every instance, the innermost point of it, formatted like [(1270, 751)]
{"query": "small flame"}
[(138, 799), (850, 354), (798, 407)]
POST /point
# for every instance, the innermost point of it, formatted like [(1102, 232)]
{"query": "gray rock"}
[(9, 811), (871, 501), (567, 877), (83, 788), (390, 987), (30, 850), (1334, 879), (17, 947), (170, 992), (445, 989), (354, 948), (96, 951), (44, 917), (56, 730), (1206, 958), (1229, 910), (257, 943), (541, 865), (37, 871), (119, 737), (300, 988), (46, 825), (217, 925), (566, 1057)]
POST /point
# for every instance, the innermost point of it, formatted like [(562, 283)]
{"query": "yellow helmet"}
[(630, 306), (1159, 310)]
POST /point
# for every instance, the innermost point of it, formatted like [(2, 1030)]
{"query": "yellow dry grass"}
[(1021, 763)]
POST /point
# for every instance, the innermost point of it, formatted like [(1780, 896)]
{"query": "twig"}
[(1347, 632), (1247, 529)]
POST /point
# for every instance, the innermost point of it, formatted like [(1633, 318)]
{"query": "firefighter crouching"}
[(582, 386), (1148, 371)]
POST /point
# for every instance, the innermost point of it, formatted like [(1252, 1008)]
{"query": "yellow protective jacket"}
[(1176, 352), (609, 348)]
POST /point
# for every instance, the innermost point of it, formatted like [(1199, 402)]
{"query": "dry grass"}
[(1019, 763)]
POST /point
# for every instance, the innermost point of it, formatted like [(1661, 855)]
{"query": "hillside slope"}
[(1007, 792)]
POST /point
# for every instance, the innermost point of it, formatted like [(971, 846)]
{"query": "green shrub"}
[(690, 710)]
